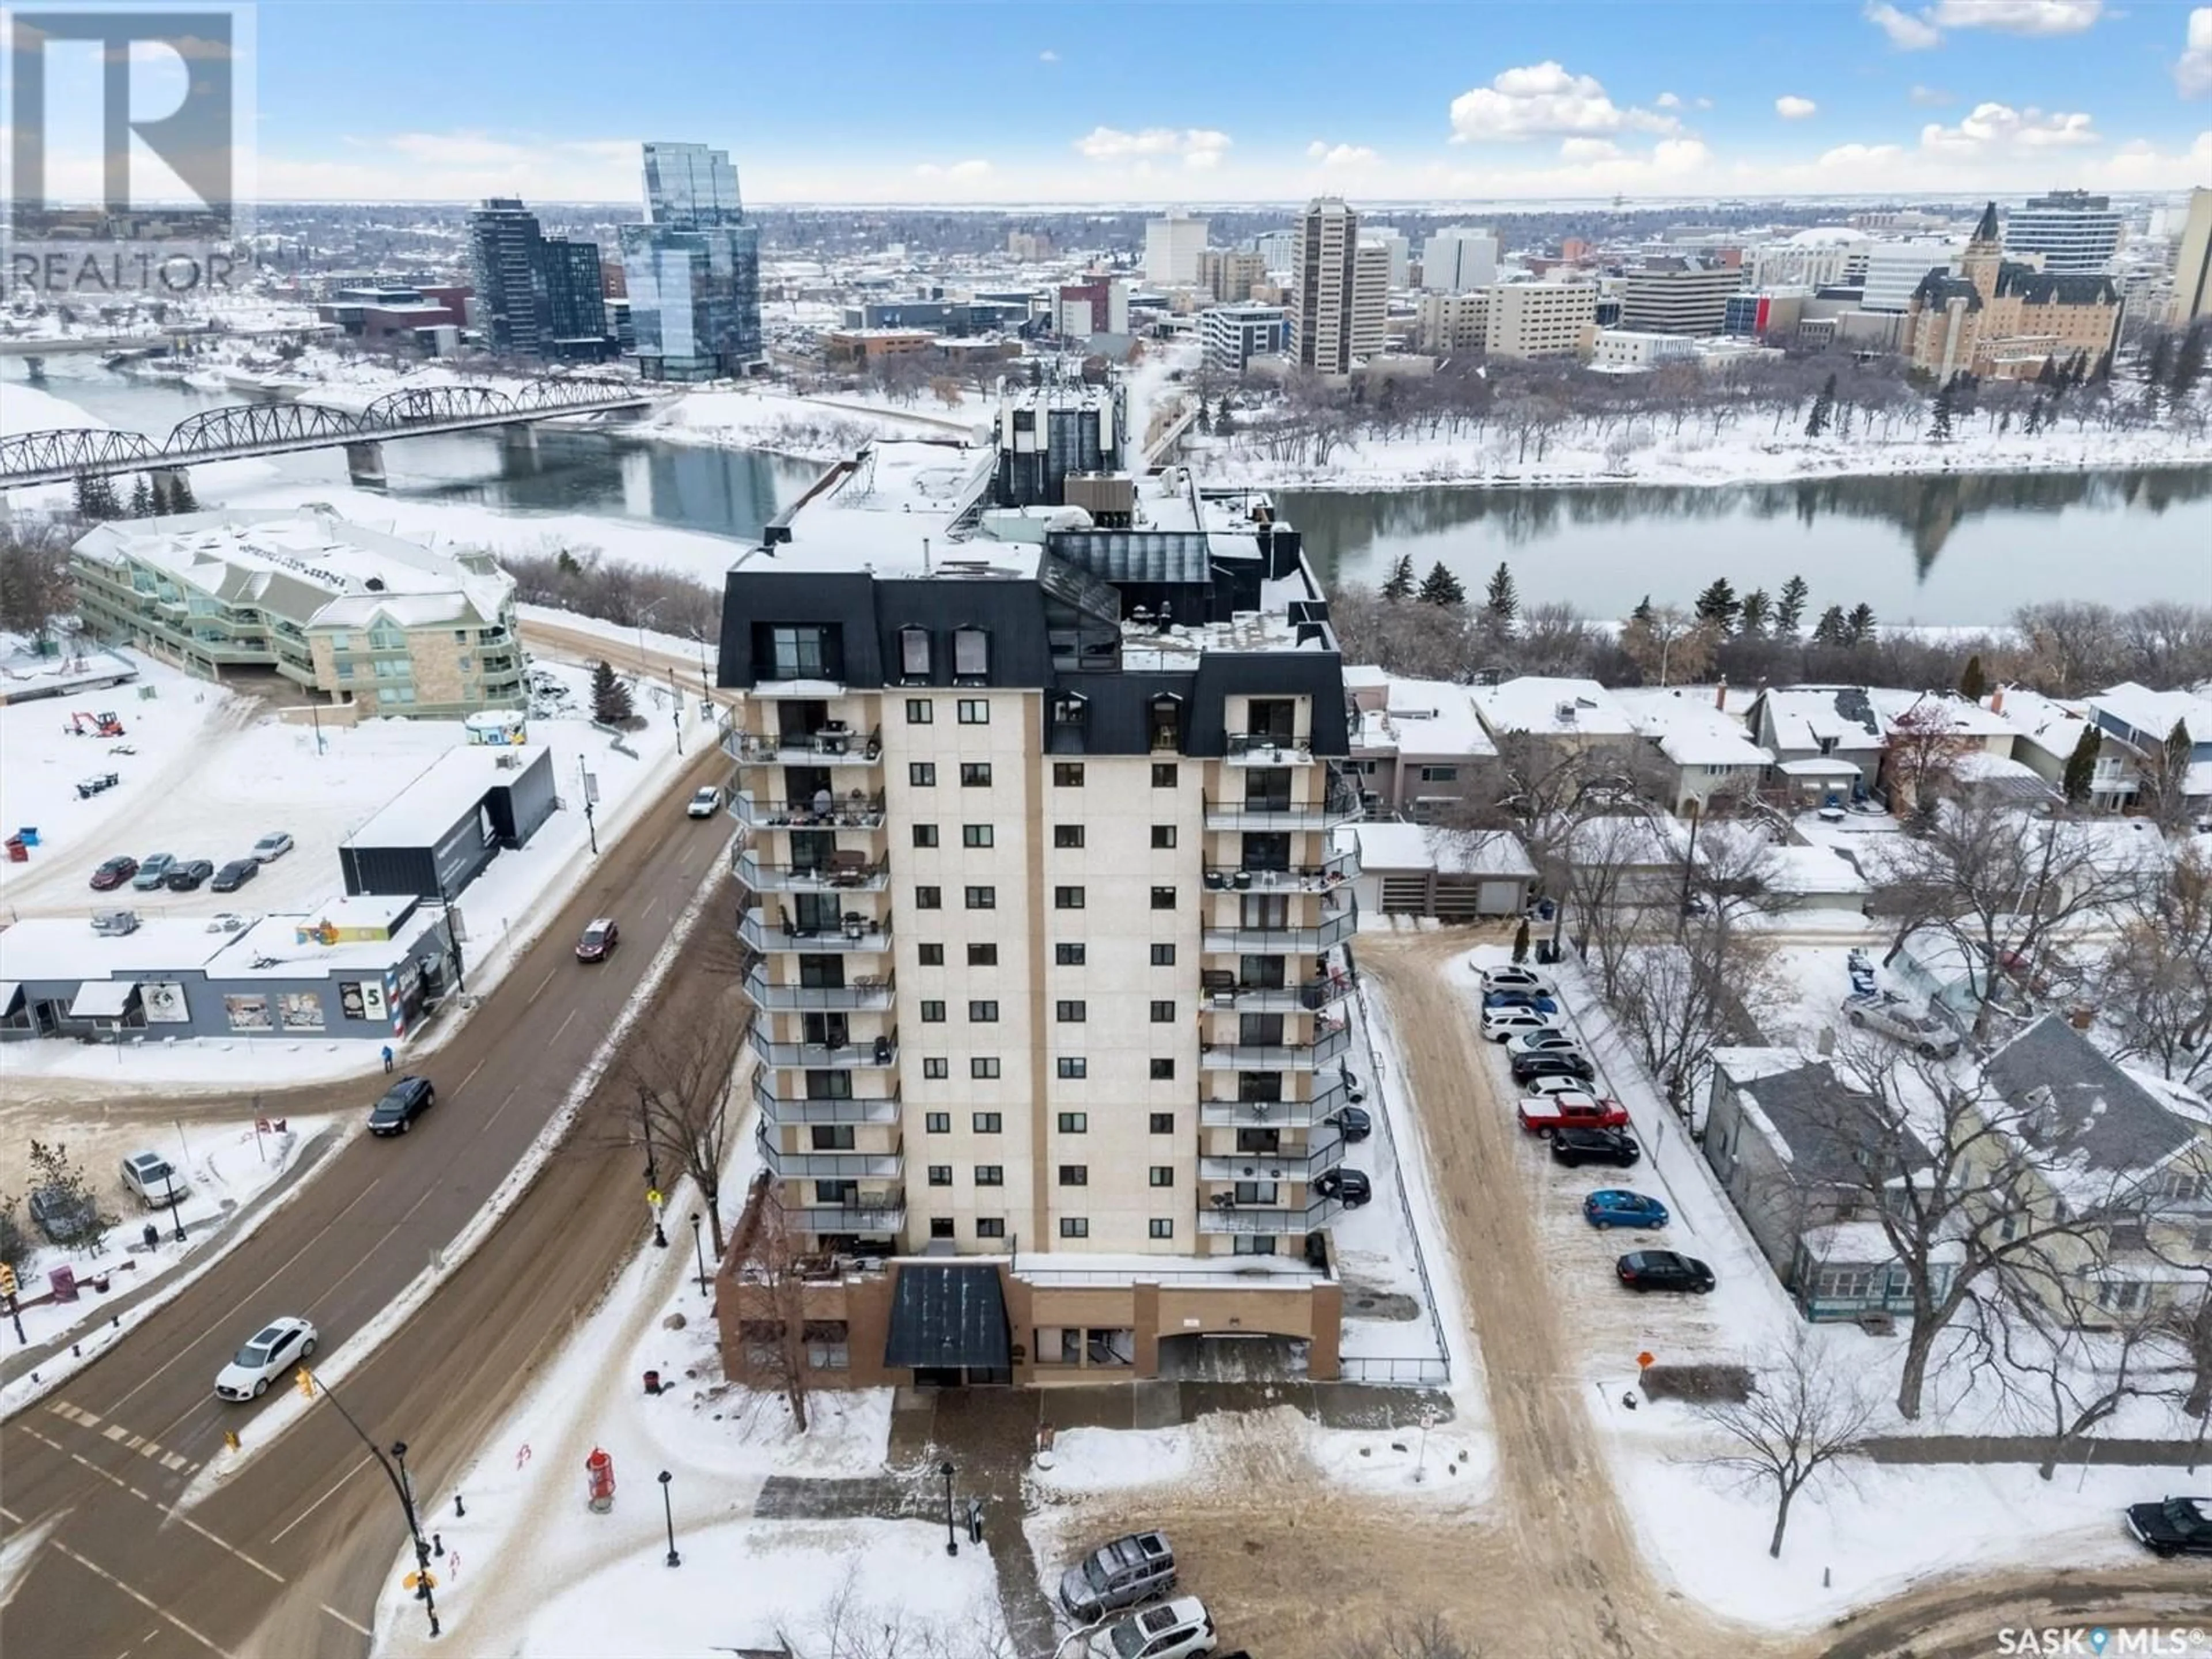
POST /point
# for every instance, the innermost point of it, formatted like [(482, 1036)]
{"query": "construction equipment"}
[(102, 725)]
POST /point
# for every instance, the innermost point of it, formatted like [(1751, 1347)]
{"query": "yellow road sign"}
[(416, 1580), (652, 1196)]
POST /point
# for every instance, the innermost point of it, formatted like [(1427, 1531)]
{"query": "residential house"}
[(1780, 1134), (1836, 725), (1703, 747), (1563, 716), (1812, 879), (2143, 719), (1419, 870), (1416, 748), (2046, 732)]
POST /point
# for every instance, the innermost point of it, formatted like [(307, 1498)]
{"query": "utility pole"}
[(589, 791), (309, 1385)]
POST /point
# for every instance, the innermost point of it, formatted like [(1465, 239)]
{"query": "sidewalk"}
[(2036, 1448)]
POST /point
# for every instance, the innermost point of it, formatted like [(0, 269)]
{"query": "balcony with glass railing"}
[(1279, 809), (1331, 872), (1337, 924), (779, 1109), (856, 809), (1222, 991), (1290, 1164), (1331, 1038), (870, 1053), (1329, 1099), (1215, 1215), (841, 872), (830, 745), (1267, 749), (853, 933), (811, 1165), (886, 1214), (865, 993)]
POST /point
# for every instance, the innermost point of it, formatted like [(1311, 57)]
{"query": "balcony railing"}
[(829, 745), (1276, 941), (1338, 803), (808, 1109), (1264, 749), (831, 1166), (857, 933), (869, 1054), (1235, 1218), (851, 810), (1326, 1045), (886, 1217), (833, 876), (1327, 1101), (1310, 996), (1306, 879), (1291, 1163), (867, 993)]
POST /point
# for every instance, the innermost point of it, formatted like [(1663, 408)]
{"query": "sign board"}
[(591, 788), (165, 1002)]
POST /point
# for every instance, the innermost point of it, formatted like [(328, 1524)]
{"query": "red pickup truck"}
[(1546, 1113)]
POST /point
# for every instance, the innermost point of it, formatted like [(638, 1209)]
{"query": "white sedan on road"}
[(278, 1345), (705, 803)]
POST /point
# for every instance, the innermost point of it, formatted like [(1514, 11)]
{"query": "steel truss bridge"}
[(273, 428)]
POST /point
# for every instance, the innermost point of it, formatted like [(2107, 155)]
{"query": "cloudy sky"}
[(1212, 102)]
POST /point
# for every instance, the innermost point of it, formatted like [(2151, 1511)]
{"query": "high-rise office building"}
[(1457, 258), (1402, 250), (693, 269), (537, 296), (2192, 269), (2075, 233), (1172, 245), (1893, 269), (1674, 295), (1342, 307)]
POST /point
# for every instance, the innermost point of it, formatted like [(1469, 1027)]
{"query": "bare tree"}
[(684, 1077), (1924, 746), (1669, 644), (1417, 1636), (35, 584), (2157, 980), (769, 1288), (1800, 1419), (2066, 1363)]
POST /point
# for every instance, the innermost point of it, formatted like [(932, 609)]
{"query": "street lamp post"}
[(951, 1542), (643, 617), (395, 1471), (652, 1174), (175, 1220), (668, 1513), (699, 1251), (676, 710)]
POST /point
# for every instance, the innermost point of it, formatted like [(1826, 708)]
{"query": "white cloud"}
[(1545, 99), (2018, 16), (1667, 101), (2193, 73), (1201, 148), (1704, 103), (1931, 97), (1341, 155), (1588, 149), (1851, 155), (1906, 32), (1047, 55), (1790, 108), (974, 168), (1996, 126)]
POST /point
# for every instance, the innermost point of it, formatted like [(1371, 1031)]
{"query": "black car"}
[(1575, 1148), (403, 1103), (1553, 1062), (2173, 1526), (1665, 1270), (1353, 1123), (1350, 1188), (187, 874), (235, 874), (64, 1215)]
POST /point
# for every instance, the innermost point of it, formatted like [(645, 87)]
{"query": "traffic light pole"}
[(401, 1487), (15, 1313)]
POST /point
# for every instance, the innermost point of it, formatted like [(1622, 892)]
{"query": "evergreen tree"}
[(2034, 419), (1718, 604), (1757, 612), (1502, 603), (2158, 366), (2188, 363), (2078, 370), (1973, 683), (1939, 414), (1831, 629), (1823, 407), (611, 704), (2048, 374), (1859, 626), (1789, 608), (181, 494), (1642, 611), (2103, 371), (159, 492), (1401, 584), (142, 498), (1205, 418), (1441, 587), (2082, 764), (1223, 423)]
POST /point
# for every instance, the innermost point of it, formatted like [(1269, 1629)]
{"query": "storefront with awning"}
[(110, 1001)]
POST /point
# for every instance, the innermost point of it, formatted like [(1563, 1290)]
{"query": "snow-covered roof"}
[(1689, 729), (1801, 716), (1863, 1243), (1447, 851), (2073, 1101), (273, 948), (1631, 841), (1815, 766), (1810, 870), (891, 511), (450, 786), (1551, 707), (1944, 711), (2153, 713), (2051, 725), (1423, 717), (66, 948)]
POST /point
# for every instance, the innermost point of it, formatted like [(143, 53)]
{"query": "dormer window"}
[(913, 654), (1164, 719), (971, 656), (1070, 709)]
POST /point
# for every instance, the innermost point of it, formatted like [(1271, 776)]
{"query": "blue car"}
[(1542, 1005), (1617, 1207)]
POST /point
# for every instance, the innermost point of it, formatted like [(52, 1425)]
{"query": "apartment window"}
[(924, 835), (976, 835), (1069, 1012), (932, 1012), (982, 1013), (1165, 717), (990, 1174), (985, 1123), (1162, 1123), (929, 898), (940, 1227), (1163, 1071), (1164, 898), (1075, 1123), (1163, 1012), (1073, 1065), (990, 1226), (1075, 1174), (830, 1137), (802, 653), (932, 956), (975, 775), (975, 711), (982, 956), (1067, 835), (985, 1066), (982, 898), (1163, 955), (1074, 1226), (923, 774), (920, 711), (936, 1066), (913, 652), (1440, 775), (1067, 956), (1163, 836), (1163, 774), (1159, 1227), (1068, 774), (937, 1123), (1252, 1244), (941, 1174), (1160, 1174), (1067, 899), (971, 654)]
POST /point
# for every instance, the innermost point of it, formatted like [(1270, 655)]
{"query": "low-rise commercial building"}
[(1677, 295), (1232, 335), (1540, 320)]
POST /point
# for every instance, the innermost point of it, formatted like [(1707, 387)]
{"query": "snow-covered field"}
[(824, 429)]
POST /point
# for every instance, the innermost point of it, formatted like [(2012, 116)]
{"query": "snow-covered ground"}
[(824, 429)]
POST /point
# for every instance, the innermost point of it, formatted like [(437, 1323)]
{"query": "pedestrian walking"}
[(388, 1056), (152, 1236)]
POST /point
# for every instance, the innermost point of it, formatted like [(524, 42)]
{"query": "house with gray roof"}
[(1834, 724)]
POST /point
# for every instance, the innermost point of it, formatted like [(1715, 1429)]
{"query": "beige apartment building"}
[(1541, 319), (1228, 277), (1455, 322), (1049, 978), (1342, 308)]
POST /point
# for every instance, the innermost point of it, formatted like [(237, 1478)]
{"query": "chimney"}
[(1720, 694), (1997, 701)]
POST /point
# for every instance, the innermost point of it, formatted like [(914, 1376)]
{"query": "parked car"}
[(1352, 1123), (1616, 1207), (1535, 999), (705, 803), (152, 1177), (235, 874), (1350, 1188), (1180, 1629), (64, 1215), (151, 869), (1560, 1083), (188, 875), (403, 1103), (114, 873), (271, 847), (1544, 1039), (598, 941), (277, 1345), (1546, 1115), (1118, 1575), (1664, 1270), (2172, 1526), (1516, 978), (1575, 1148), (1354, 1090), (1558, 1062), (1500, 1023), (1902, 1021)]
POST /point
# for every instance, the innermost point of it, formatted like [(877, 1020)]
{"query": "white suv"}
[(1180, 1629), (151, 1176), (705, 803)]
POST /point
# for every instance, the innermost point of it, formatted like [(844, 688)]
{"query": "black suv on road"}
[(1575, 1148), (403, 1103)]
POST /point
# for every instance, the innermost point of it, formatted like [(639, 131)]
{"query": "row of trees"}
[(581, 577), (152, 496)]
